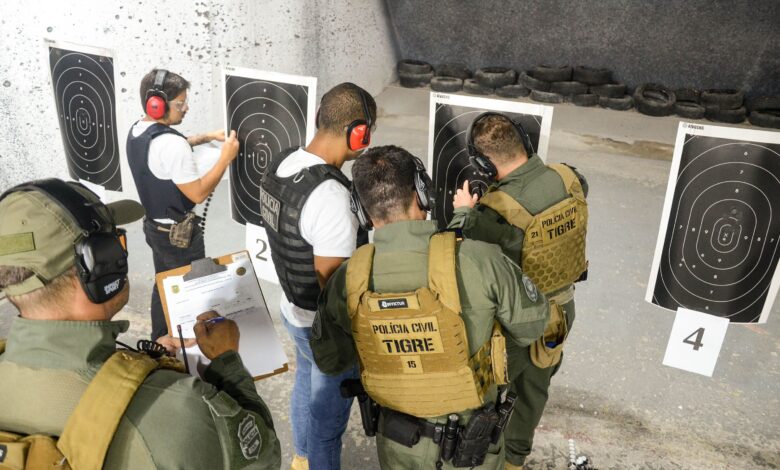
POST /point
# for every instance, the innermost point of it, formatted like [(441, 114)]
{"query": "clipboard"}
[(230, 282)]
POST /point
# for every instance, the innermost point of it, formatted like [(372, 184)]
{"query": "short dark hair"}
[(384, 180), (496, 137), (341, 105), (173, 85), (54, 293)]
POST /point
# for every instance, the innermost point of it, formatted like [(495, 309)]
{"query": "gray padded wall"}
[(701, 43)]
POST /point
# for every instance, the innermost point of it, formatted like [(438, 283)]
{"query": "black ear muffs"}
[(359, 130), (156, 99), (481, 162), (100, 254), (357, 208), (423, 186)]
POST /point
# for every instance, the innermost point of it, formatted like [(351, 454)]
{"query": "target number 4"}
[(685, 349), (696, 343)]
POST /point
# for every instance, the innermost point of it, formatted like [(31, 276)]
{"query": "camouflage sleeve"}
[(331, 333), (484, 224)]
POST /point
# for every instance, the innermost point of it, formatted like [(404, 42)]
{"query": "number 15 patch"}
[(695, 342)]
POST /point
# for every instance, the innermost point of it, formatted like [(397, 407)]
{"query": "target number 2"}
[(263, 247), (685, 349), (696, 343)]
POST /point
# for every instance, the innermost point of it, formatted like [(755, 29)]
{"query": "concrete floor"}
[(612, 396)]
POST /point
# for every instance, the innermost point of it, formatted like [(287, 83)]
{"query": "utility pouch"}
[(546, 351), (498, 356), (400, 427), (474, 438), (180, 235)]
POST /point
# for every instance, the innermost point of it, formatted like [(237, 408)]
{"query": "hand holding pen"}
[(215, 334)]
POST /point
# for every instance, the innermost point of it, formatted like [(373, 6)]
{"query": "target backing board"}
[(717, 249), (270, 112), (448, 159), (82, 78)]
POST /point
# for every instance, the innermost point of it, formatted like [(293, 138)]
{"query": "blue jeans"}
[(318, 413)]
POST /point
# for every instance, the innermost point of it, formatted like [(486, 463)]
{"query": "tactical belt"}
[(390, 420)]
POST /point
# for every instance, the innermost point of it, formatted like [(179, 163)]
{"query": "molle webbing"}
[(413, 346), (91, 427), (553, 254)]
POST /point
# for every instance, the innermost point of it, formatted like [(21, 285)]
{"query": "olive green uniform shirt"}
[(170, 422), (535, 186)]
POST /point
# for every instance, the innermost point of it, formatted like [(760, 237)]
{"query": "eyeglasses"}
[(180, 104)]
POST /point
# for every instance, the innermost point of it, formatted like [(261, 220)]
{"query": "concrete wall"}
[(334, 40), (702, 43)]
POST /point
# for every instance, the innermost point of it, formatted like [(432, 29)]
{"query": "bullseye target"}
[(83, 82), (270, 113), (448, 158), (719, 247)]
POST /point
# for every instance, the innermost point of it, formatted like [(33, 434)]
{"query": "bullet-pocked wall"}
[(334, 40), (696, 43)]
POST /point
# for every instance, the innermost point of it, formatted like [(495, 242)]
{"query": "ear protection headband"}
[(156, 99), (359, 130), (423, 187), (480, 161), (100, 254)]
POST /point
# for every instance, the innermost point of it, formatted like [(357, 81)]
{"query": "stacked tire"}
[(724, 105), (613, 96), (414, 73), (449, 77), (688, 103), (654, 99), (765, 111)]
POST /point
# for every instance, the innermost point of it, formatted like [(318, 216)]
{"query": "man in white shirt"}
[(166, 177), (305, 205)]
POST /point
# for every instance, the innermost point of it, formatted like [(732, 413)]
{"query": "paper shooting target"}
[(270, 113), (83, 82), (720, 245), (448, 159)]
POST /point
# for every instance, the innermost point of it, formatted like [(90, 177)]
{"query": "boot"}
[(299, 463), (509, 466)]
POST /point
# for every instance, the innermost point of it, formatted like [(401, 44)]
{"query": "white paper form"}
[(235, 294)]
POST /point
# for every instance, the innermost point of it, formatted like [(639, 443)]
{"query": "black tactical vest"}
[(156, 195), (281, 203)]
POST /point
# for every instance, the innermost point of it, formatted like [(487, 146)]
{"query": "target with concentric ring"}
[(448, 155), (83, 83), (722, 242), (269, 116)]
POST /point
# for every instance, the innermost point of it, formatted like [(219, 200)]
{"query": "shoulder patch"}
[(530, 288), (249, 437)]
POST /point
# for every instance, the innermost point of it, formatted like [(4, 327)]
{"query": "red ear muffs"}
[(358, 135), (155, 107)]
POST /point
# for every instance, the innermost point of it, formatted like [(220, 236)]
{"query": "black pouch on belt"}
[(474, 438), (400, 427)]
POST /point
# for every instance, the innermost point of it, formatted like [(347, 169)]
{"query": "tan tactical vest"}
[(413, 347), (90, 428), (553, 254)]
